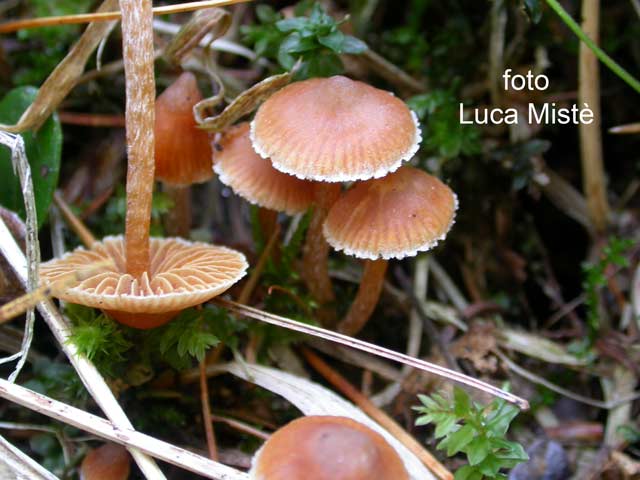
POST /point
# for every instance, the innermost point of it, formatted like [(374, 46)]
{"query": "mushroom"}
[(147, 282), (254, 178), (327, 448), (397, 216), (182, 150), (108, 462), (332, 130)]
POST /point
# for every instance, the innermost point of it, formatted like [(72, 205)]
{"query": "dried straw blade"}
[(123, 436), (30, 300), (370, 348), (12, 26)]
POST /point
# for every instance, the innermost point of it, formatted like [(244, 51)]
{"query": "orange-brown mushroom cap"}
[(108, 462), (327, 448), (254, 178), (334, 130), (181, 274), (397, 216), (182, 150)]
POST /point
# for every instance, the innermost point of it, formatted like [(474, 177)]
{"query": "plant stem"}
[(601, 54), (8, 27), (315, 257), (137, 49), (206, 413), (593, 180), (366, 298)]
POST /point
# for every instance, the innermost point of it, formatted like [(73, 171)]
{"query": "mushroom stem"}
[(366, 298), (137, 52), (315, 259), (177, 222)]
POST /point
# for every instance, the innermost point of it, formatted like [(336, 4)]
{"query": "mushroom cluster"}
[(317, 134), (326, 447), (139, 281)]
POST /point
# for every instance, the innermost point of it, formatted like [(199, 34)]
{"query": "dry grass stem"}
[(123, 436), (371, 348), (594, 181), (65, 76), (104, 16), (91, 378), (83, 233)]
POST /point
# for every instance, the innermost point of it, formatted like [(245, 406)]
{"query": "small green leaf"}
[(334, 41), (292, 24), (460, 439), (478, 450), (43, 149), (467, 473), (353, 45), (446, 425)]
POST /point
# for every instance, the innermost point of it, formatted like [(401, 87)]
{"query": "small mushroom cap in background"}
[(397, 216), (335, 130), (254, 178), (108, 462), (327, 448), (182, 150), (182, 274)]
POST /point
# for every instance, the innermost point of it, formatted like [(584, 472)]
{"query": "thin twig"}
[(241, 426), (532, 377), (83, 233), (91, 119), (123, 436), (375, 413), (65, 76), (12, 26), (20, 464), (371, 348), (631, 128), (206, 413)]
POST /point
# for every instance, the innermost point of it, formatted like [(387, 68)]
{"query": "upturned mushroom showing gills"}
[(333, 130), (253, 178), (327, 448), (397, 216), (140, 282)]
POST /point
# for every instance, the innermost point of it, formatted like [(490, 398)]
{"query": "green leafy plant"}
[(477, 431), (192, 333), (97, 337), (442, 131), (595, 277), (315, 39)]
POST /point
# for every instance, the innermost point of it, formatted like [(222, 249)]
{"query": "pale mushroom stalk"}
[(177, 222), (332, 130), (396, 216), (143, 282), (315, 256), (367, 297), (137, 30)]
